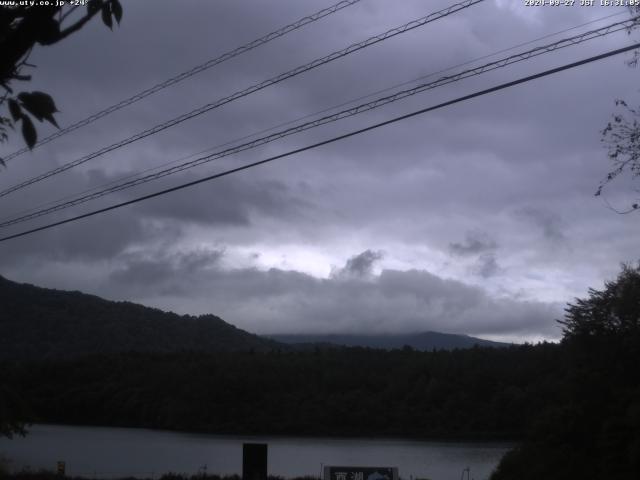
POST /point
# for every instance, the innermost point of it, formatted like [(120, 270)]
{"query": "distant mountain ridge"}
[(40, 323), (424, 341), (45, 324)]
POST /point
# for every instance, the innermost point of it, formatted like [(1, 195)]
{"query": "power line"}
[(310, 115), (254, 88), (304, 117), (35, 208), (570, 41), (331, 140), (191, 72)]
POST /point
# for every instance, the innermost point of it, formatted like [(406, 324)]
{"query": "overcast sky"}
[(479, 218)]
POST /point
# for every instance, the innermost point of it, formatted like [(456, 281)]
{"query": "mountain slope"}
[(419, 341), (39, 323)]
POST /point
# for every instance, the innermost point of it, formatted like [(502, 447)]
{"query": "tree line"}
[(473, 393)]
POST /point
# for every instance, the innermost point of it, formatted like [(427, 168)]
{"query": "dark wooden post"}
[(254, 461)]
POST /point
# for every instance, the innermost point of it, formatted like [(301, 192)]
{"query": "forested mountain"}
[(419, 341), (40, 323)]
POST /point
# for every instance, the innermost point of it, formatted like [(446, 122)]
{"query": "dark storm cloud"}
[(361, 265), (318, 90), (231, 201), (475, 243), (516, 169), (281, 300), (480, 246), (487, 265), (168, 272), (549, 223), (207, 29), (90, 240)]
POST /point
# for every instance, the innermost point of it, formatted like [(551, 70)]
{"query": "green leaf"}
[(106, 15), (40, 105), (15, 110), (116, 8), (29, 132)]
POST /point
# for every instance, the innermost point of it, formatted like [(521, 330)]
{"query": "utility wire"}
[(304, 117), (331, 140), (577, 39), (191, 72), (254, 88), (310, 115)]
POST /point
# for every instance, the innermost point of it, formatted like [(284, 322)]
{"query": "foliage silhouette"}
[(22, 27), (622, 138), (592, 429)]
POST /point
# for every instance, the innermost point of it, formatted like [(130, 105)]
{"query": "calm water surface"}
[(114, 452)]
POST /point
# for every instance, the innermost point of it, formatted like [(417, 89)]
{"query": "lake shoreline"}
[(118, 453), (50, 475), (470, 439)]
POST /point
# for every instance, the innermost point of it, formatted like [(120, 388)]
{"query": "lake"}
[(99, 452)]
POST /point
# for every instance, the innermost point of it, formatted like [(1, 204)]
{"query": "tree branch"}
[(78, 25), (69, 12)]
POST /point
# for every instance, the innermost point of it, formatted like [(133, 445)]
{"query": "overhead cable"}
[(329, 141), (254, 88), (189, 73), (304, 117), (566, 42)]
